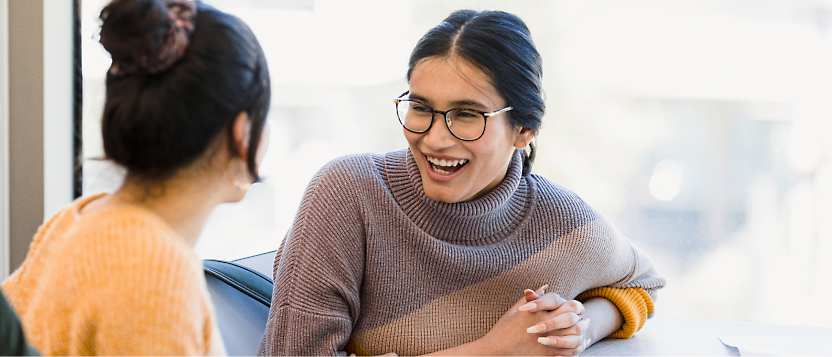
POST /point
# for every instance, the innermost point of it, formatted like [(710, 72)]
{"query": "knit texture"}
[(372, 262), (115, 282)]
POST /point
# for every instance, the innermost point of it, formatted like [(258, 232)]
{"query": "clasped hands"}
[(540, 323)]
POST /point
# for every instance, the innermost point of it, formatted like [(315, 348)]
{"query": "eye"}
[(467, 114), (419, 107)]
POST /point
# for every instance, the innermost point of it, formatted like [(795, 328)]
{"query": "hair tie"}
[(182, 14)]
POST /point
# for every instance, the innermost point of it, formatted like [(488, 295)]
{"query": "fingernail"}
[(528, 291), (536, 328), (544, 287), (548, 341), (528, 306)]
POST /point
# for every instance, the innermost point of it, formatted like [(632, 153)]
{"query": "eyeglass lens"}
[(464, 124)]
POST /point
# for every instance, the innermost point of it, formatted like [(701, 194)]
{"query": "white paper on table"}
[(780, 345)]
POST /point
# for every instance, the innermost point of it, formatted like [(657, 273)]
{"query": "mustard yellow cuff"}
[(633, 303), (353, 348)]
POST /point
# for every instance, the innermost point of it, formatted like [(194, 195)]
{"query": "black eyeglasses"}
[(464, 124)]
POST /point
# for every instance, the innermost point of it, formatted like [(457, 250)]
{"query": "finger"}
[(562, 349), (558, 322), (577, 329), (570, 306), (532, 295), (563, 342), (549, 301)]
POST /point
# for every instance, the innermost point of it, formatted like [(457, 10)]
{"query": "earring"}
[(243, 186)]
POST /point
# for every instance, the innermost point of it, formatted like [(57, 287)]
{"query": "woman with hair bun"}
[(430, 249), (185, 114)]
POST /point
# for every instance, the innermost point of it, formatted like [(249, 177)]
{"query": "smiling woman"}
[(430, 249), (448, 83)]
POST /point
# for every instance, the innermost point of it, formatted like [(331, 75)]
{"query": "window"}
[(703, 130)]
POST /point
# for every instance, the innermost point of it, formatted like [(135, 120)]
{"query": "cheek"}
[(410, 137), (496, 146)]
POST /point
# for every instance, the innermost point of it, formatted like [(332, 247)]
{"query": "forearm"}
[(604, 318)]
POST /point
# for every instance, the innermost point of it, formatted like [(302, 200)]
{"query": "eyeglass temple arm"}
[(498, 112)]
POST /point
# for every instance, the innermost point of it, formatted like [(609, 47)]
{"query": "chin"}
[(442, 194), (440, 198)]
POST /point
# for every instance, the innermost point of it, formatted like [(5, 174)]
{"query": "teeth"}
[(446, 163), (440, 171)]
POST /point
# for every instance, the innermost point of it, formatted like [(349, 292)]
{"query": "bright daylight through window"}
[(702, 129)]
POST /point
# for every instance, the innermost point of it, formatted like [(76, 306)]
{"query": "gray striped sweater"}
[(374, 266)]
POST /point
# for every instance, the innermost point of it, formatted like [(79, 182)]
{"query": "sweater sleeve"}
[(636, 279), (634, 304), (319, 270)]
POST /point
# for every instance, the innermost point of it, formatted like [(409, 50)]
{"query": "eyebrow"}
[(455, 104)]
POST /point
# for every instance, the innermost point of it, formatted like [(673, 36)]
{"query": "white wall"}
[(57, 105)]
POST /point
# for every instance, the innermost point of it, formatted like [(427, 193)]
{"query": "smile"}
[(445, 167)]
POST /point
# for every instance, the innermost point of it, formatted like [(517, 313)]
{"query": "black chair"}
[(242, 297)]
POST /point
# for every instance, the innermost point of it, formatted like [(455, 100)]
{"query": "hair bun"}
[(146, 36)]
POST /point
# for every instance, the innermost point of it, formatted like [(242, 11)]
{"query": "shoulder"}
[(129, 242), (348, 169), (558, 200), (578, 223), (348, 176)]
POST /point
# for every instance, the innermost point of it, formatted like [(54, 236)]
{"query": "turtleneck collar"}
[(483, 221)]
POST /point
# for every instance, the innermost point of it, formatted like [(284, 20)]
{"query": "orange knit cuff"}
[(633, 303), (353, 348)]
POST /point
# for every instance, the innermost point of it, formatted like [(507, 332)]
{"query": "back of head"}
[(171, 92), (500, 45)]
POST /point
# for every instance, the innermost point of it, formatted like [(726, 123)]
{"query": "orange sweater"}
[(116, 282)]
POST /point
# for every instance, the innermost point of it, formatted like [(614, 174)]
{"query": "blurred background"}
[(702, 129)]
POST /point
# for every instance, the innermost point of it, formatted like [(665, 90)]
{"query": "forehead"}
[(447, 80)]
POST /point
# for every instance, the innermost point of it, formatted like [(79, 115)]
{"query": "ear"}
[(241, 134), (524, 137)]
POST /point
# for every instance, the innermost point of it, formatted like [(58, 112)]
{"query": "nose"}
[(439, 137)]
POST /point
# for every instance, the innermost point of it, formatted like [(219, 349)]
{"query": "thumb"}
[(534, 295)]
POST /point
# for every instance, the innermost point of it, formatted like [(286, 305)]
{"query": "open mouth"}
[(446, 167)]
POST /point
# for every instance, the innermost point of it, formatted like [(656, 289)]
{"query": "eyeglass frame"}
[(485, 116)]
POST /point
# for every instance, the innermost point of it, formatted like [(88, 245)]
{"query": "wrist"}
[(604, 318)]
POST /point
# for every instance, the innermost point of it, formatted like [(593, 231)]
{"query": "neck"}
[(183, 201)]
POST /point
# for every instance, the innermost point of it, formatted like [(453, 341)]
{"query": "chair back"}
[(241, 297)]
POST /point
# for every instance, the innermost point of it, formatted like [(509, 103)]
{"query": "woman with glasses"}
[(185, 115), (433, 249)]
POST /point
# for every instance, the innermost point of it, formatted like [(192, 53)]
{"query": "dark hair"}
[(500, 45), (154, 124)]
